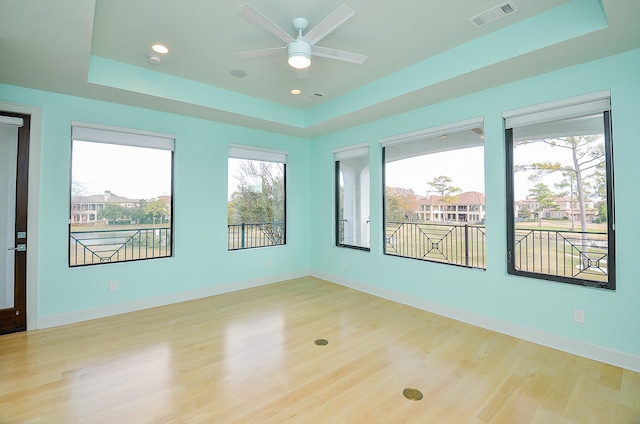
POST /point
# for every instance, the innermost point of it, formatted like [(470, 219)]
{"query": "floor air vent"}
[(493, 14)]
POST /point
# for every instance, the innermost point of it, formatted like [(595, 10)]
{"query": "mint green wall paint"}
[(126, 77), (549, 28), (611, 317), (201, 257)]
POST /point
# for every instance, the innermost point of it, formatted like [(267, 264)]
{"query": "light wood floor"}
[(250, 357)]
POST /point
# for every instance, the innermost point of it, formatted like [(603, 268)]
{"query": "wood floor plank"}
[(250, 357)]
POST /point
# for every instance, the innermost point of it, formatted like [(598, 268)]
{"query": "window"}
[(352, 197), (560, 192), (431, 179), (121, 205), (256, 203)]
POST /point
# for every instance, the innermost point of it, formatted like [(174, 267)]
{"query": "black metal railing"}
[(562, 253), (100, 246), (448, 243), (246, 236)]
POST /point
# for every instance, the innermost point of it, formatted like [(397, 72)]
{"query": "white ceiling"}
[(48, 44)]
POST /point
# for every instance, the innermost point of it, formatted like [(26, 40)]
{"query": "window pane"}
[(256, 207), (8, 176), (434, 199), (121, 207), (560, 201), (352, 199)]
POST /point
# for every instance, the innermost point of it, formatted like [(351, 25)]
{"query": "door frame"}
[(33, 233)]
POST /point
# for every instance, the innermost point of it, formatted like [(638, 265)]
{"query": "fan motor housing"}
[(298, 50)]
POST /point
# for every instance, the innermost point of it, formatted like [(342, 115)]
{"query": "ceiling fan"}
[(300, 49)]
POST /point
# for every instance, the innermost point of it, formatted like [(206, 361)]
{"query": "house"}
[(468, 206), (85, 209), (566, 209), (67, 64)]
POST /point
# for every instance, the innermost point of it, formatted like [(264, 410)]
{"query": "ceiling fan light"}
[(299, 61), (299, 54)]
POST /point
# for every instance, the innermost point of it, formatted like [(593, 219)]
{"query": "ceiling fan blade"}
[(328, 24), (264, 22), (262, 52), (338, 54)]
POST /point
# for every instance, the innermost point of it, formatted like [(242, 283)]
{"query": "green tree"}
[(442, 187), (524, 212), (137, 213), (600, 191), (545, 198), (400, 204), (156, 209), (112, 212), (602, 211)]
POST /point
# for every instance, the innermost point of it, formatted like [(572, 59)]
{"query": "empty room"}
[(319, 212)]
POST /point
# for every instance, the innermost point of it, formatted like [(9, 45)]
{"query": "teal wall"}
[(200, 196), (612, 318), (201, 260)]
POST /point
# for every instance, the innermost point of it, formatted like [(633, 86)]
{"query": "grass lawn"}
[(562, 225)]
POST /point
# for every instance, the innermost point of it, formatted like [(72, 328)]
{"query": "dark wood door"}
[(13, 312)]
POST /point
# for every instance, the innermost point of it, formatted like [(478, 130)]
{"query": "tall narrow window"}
[(434, 204), (352, 197), (256, 204), (121, 205), (560, 204)]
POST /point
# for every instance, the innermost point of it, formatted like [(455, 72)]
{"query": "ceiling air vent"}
[(493, 14), (315, 96)]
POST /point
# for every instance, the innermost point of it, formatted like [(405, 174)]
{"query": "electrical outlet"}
[(578, 316), (344, 264), (113, 286), (268, 263)]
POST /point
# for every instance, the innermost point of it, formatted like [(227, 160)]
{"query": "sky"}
[(465, 167), (133, 172)]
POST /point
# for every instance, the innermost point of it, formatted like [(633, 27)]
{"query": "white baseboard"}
[(136, 305), (598, 353)]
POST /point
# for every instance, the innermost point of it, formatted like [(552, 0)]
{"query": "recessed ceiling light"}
[(154, 60), (238, 73), (296, 91), (159, 48)]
